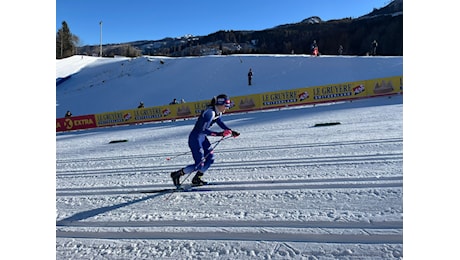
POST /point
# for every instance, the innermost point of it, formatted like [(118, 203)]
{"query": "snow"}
[(284, 188), (156, 81)]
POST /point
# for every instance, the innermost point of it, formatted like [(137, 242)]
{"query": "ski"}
[(185, 188), (201, 185), (182, 188), (157, 191), (165, 190)]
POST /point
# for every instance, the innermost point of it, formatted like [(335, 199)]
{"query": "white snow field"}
[(283, 189)]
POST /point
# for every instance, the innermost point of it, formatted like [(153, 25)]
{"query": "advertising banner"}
[(384, 86), (335, 92), (75, 123), (115, 118), (282, 98), (245, 103), (276, 99), (152, 114)]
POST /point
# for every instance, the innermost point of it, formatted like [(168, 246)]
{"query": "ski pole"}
[(184, 153), (173, 157)]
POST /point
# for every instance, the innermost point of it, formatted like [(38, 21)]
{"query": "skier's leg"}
[(208, 154), (176, 176), (195, 147)]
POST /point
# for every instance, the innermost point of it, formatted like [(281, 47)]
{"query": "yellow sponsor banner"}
[(199, 106), (152, 114), (245, 103), (282, 98), (115, 118), (168, 112), (384, 86), (186, 110), (285, 98), (182, 110), (333, 92)]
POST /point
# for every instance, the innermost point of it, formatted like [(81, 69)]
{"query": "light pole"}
[(62, 44), (100, 50)]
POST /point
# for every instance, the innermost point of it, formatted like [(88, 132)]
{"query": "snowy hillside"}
[(283, 189), (100, 85)]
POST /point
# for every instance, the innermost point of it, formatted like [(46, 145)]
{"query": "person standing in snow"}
[(374, 48), (314, 48), (174, 102), (250, 77), (198, 142)]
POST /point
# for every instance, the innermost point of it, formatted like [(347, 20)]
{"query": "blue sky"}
[(134, 20)]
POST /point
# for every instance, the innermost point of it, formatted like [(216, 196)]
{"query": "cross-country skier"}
[(198, 142)]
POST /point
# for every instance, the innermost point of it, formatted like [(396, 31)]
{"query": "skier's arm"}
[(208, 117), (207, 121), (226, 128), (222, 124)]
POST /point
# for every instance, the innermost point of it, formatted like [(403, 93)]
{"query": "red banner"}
[(75, 123)]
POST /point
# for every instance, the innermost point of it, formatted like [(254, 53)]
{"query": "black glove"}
[(235, 133)]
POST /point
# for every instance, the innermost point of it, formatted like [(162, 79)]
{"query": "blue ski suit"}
[(198, 142)]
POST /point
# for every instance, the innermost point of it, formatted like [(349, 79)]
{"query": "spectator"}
[(68, 114), (182, 101), (141, 105), (250, 77), (374, 48), (340, 50), (314, 48), (174, 102)]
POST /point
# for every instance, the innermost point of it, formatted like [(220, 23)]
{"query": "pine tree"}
[(66, 42)]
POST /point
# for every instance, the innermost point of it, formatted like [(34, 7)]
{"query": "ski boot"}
[(176, 177), (197, 181)]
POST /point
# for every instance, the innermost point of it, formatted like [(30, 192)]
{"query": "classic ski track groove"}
[(240, 236), (325, 231), (242, 149), (261, 163), (337, 183), (237, 223)]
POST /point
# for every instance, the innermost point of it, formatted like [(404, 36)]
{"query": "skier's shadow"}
[(95, 212)]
